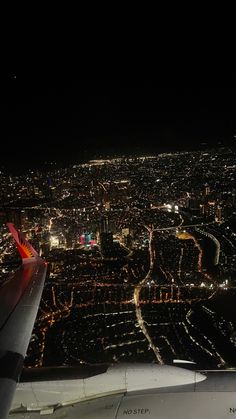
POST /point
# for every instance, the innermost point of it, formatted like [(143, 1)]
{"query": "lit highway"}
[(137, 291)]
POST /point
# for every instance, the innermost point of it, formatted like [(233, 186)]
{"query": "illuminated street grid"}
[(142, 258)]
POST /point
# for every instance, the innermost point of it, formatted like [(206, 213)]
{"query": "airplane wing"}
[(19, 301)]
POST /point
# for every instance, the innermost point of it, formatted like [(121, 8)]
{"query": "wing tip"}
[(26, 250)]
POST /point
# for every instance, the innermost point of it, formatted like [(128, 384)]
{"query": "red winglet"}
[(24, 247)]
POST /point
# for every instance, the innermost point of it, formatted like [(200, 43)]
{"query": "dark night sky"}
[(69, 120)]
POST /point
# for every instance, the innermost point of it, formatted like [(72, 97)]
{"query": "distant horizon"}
[(10, 168), (73, 120)]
